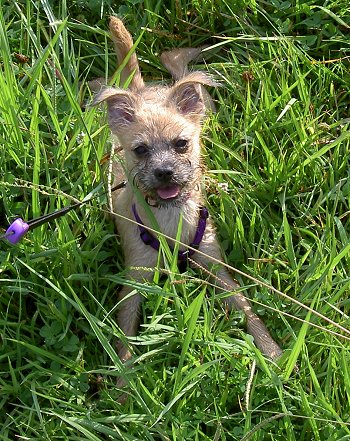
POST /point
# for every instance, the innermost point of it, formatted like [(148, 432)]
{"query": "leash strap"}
[(19, 227)]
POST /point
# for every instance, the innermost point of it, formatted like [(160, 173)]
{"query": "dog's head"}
[(159, 130)]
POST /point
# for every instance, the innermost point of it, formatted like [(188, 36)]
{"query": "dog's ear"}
[(121, 106), (189, 95)]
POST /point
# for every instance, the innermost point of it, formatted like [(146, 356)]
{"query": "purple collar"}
[(148, 238)]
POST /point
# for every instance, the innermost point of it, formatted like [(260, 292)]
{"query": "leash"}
[(19, 227)]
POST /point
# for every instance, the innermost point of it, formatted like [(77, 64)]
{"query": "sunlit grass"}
[(278, 146)]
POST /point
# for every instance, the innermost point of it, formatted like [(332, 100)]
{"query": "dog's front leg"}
[(237, 300), (255, 326), (128, 319), (129, 307), (128, 316), (140, 261)]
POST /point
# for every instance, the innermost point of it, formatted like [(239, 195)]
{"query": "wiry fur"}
[(123, 43), (157, 120)]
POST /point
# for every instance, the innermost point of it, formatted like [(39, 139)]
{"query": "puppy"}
[(159, 128)]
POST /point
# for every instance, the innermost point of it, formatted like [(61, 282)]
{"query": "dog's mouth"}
[(168, 192), (167, 195)]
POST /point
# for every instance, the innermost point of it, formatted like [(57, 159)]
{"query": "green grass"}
[(279, 143)]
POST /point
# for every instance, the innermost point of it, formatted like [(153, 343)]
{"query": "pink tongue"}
[(168, 192)]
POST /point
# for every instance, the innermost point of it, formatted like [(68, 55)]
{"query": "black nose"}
[(163, 174)]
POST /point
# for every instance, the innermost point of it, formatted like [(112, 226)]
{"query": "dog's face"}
[(162, 155), (159, 130)]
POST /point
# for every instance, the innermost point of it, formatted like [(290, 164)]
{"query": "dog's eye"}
[(181, 145), (141, 150)]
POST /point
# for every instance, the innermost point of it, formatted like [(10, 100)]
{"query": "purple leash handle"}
[(16, 231), (19, 227)]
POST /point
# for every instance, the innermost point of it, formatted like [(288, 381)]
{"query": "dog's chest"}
[(171, 221)]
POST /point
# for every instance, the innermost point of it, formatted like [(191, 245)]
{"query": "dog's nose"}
[(163, 174)]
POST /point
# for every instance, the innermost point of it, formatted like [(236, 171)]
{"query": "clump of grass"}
[(277, 151)]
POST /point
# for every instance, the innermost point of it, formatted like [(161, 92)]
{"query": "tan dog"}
[(159, 128)]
